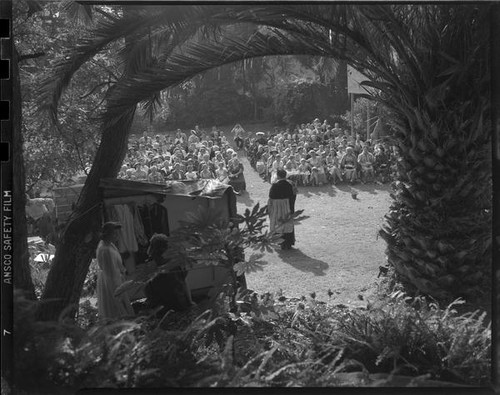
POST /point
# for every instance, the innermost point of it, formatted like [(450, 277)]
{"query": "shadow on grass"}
[(332, 190), (371, 187), (244, 197), (312, 191), (303, 262)]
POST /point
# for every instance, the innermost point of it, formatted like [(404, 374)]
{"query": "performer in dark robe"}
[(281, 203)]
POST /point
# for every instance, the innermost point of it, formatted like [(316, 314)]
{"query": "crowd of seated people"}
[(315, 154), (183, 157)]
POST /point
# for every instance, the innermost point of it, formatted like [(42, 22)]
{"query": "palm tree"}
[(430, 71)]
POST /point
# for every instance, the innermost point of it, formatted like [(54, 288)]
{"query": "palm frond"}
[(195, 57), (109, 30), (161, 39), (81, 13)]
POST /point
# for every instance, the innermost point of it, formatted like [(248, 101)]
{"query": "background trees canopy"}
[(429, 64), (281, 90), (55, 153)]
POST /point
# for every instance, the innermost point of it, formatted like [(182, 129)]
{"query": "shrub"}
[(38, 346), (263, 342), (415, 337)]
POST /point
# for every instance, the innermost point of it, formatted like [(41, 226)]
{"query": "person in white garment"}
[(111, 275)]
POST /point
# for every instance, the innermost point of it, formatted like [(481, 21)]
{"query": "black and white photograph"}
[(249, 195)]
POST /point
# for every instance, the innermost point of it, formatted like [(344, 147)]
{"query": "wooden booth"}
[(144, 209)]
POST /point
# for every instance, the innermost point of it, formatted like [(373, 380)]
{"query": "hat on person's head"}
[(109, 227), (260, 134)]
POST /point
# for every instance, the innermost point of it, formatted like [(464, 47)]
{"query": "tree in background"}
[(365, 111), (282, 90), (54, 154)]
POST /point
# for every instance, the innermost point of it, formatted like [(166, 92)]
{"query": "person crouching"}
[(168, 288)]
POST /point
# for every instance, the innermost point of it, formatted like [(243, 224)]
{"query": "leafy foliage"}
[(55, 153), (287, 90), (265, 342), (415, 337)]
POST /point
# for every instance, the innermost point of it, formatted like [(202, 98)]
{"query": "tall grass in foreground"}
[(264, 343)]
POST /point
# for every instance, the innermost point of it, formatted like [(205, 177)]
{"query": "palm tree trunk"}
[(438, 229), (340, 84), (79, 240)]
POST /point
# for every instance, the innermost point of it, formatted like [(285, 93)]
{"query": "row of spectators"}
[(316, 154), (313, 154), (200, 155)]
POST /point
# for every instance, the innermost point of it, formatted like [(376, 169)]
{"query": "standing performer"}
[(239, 136), (111, 275), (281, 203)]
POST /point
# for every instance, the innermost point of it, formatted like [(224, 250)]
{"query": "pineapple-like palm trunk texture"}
[(80, 237), (438, 229)]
